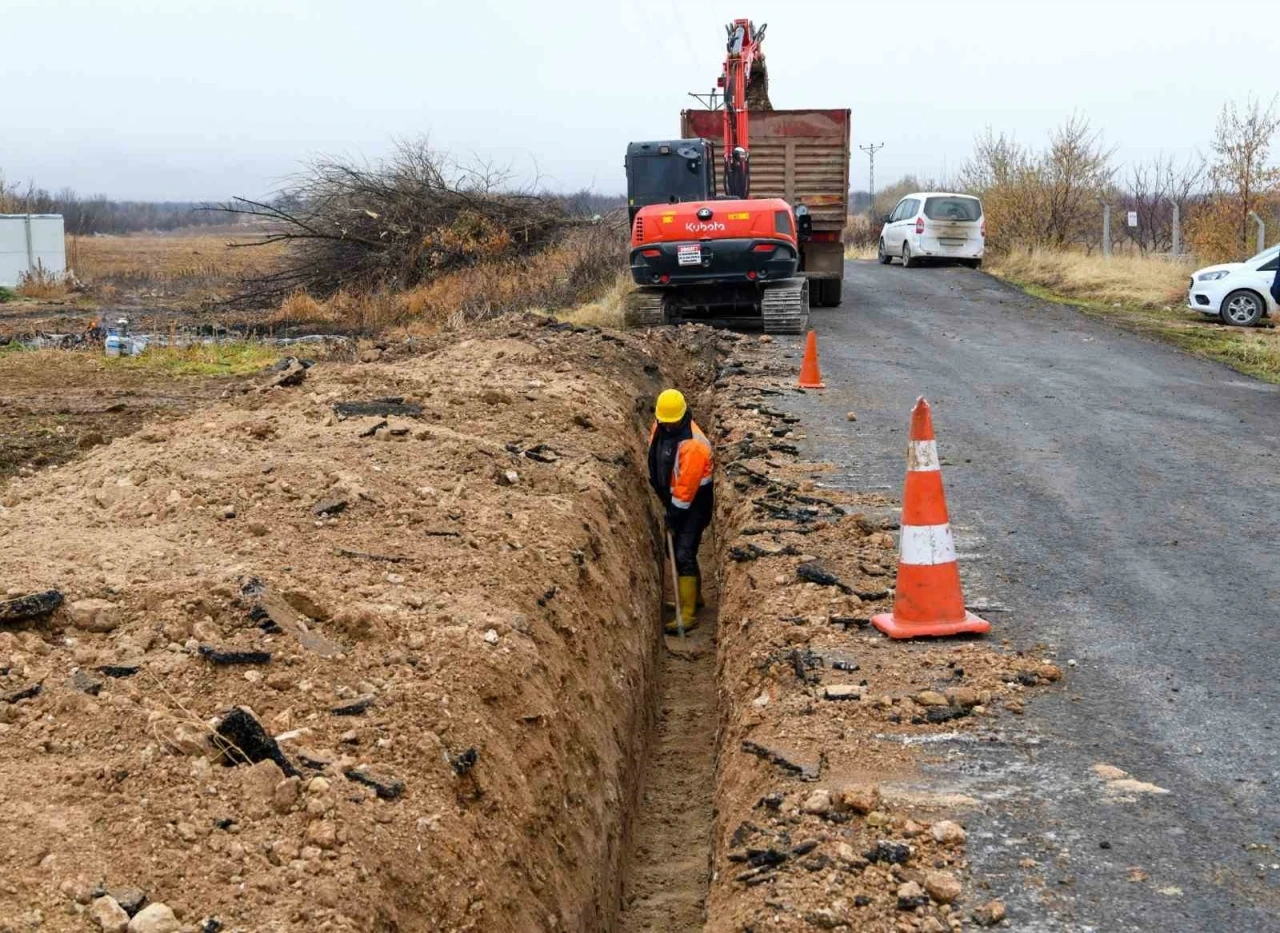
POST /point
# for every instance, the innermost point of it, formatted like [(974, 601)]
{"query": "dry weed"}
[(42, 284), (1135, 281)]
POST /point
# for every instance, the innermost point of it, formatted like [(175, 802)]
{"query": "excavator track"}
[(644, 308), (784, 307)]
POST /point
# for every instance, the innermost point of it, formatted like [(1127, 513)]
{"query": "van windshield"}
[(953, 208)]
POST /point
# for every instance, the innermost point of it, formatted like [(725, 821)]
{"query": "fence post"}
[(31, 252), (1177, 229), (1106, 228), (1262, 230)]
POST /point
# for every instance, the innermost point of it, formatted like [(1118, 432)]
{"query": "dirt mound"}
[(820, 714), (440, 617)]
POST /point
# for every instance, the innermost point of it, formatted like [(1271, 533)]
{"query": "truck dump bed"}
[(799, 155)]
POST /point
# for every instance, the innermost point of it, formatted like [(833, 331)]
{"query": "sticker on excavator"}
[(689, 255)]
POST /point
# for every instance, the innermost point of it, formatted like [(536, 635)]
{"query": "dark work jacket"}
[(662, 458), (1275, 285)]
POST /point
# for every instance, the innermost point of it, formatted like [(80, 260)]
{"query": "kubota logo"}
[(705, 228)]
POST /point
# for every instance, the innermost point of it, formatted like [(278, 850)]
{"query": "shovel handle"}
[(675, 583)]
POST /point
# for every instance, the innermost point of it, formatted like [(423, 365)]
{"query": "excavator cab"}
[(669, 172)]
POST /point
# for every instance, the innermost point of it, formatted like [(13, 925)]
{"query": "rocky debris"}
[(392, 406), (964, 697), (119, 670), (155, 918), (842, 692), (23, 693), (243, 741), (948, 832), (109, 915), (22, 608), (385, 558), (860, 798), (930, 698), (1119, 783), (508, 478), (266, 606), (222, 656), (322, 834), (911, 896), (751, 551), (808, 767), (94, 615), (385, 788), (819, 802), (940, 714), (286, 373), (463, 763), (85, 683), (894, 853), (942, 886), (329, 507), (989, 914), (356, 707), (813, 572), (129, 899)]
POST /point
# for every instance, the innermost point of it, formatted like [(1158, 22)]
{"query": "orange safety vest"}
[(692, 468)]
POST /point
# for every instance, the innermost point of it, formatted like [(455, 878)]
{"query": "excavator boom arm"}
[(743, 53)]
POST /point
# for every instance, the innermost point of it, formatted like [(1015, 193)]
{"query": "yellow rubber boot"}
[(688, 602)]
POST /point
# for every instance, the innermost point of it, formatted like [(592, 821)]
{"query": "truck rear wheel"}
[(784, 307), (825, 293)]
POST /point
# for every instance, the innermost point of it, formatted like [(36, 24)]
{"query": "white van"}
[(934, 225)]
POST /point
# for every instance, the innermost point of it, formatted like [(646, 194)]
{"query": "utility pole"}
[(871, 149)]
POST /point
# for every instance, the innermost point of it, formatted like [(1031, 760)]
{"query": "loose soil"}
[(461, 655), (669, 866)]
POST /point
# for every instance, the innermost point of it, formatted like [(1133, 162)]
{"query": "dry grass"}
[(1145, 295), (860, 252), (1133, 281), (42, 285), (605, 311), (167, 261)]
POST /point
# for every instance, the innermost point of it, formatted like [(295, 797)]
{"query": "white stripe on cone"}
[(922, 457), (927, 545)]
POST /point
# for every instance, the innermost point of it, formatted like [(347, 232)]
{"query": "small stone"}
[(860, 798), (508, 478), (258, 529), (851, 416), (818, 802), (286, 794), (228, 512), (186, 832), (942, 886), (322, 834), (845, 852), (129, 899), (155, 918), (317, 786), (329, 507), (110, 916), (282, 681), (989, 914), (948, 832), (930, 698), (1071, 663), (911, 896), (932, 925), (761, 701), (491, 636), (911, 829), (963, 697), (842, 692), (94, 615)]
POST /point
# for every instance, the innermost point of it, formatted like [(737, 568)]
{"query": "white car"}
[(934, 225), (1237, 292)]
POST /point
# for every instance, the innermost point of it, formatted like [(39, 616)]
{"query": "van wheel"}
[(1242, 309), (884, 257), (907, 260)]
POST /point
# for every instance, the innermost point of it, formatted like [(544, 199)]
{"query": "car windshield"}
[(953, 208)]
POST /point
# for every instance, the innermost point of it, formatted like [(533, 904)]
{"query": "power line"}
[(871, 149)]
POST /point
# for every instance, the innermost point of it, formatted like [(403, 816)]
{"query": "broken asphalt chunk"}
[(895, 853), (26, 693), (807, 767), (355, 708), (814, 572), (29, 607), (119, 670), (936, 714), (86, 683), (218, 656), (385, 789), (464, 762), (394, 406), (329, 507), (243, 741)]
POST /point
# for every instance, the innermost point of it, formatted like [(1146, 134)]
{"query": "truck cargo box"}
[(799, 155)]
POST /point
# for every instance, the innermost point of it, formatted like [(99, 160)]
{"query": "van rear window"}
[(953, 208)]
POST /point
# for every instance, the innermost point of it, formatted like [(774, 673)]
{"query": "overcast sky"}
[(176, 99)]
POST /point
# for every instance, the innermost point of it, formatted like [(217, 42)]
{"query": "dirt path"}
[(665, 885)]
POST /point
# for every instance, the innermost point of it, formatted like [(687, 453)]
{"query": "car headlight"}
[(1214, 276)]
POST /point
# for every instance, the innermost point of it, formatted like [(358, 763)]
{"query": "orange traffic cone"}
[(809, 376), (927, 600)]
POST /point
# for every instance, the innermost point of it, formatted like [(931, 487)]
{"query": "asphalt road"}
[(1117, 499)]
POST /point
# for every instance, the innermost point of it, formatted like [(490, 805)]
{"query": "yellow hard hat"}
[(671, 407)]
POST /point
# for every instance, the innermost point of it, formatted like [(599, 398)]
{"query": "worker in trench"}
[(680, 470)]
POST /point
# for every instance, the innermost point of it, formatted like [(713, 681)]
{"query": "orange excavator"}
[(695, 255)]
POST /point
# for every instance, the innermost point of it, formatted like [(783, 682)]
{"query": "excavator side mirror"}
[(804, 223)]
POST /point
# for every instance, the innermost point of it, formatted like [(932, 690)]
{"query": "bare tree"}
[(1074, 172), (1242, 149), (1151, 188)]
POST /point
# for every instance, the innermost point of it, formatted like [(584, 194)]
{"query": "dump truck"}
[(802, 157)]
